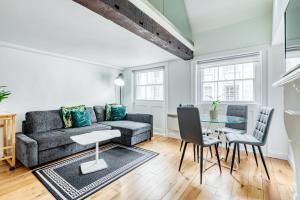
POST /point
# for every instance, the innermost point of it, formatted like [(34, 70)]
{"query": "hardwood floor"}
[(159, 179)]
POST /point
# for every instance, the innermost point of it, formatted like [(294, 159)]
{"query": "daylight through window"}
[(149, 84)]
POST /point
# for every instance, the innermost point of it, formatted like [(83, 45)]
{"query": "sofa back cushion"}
[(66, 114), (100, 113), (41, 121), (81, 118), (92, 114)]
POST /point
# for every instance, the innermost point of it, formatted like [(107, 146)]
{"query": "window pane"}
[(209, 74), (141, 92), (226, 91), (209, 91), (245, 71), (155, 77), (141, 78), (226, 72), (149, 92), (149, 85), (158, 92), (158, 77), (245, 90)]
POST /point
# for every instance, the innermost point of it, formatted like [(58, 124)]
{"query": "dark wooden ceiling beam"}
[(127, 15)]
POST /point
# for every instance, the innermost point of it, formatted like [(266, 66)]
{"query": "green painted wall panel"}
[(175, 11)]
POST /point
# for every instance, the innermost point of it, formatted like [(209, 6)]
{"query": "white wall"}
[(278, 144), (179, 81), (249, 33), (41, 82), (279, 7)]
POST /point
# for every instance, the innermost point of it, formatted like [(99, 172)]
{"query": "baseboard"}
[(291, 162), (173, 134), (159, 131), (277, 155)]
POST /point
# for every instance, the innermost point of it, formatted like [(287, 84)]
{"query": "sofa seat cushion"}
[(56, 138), (128, 128), (50, 139)]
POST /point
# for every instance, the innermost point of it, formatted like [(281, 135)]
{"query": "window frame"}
[(227, 62), (162, 84)]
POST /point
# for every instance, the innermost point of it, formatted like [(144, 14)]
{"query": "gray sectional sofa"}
[(44, 139)]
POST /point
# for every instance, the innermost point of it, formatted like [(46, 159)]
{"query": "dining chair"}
[(257, 139), (194, 146), (191, 132), (240, 128)]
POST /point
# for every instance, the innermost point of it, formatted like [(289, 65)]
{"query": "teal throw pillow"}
[(108, 112), (81, 118), (118, 112)]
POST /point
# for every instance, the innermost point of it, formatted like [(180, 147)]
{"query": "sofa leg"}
[(12, 168)]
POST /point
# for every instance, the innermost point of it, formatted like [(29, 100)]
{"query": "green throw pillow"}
[(81, 118), (66, 114), (118, 112), (108, 112)]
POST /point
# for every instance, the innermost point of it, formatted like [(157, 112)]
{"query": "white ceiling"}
[(205, 15), (67, 28)]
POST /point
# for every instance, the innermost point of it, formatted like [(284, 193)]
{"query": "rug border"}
[(56, 195)]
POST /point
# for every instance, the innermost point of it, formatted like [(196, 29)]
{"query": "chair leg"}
[(263, 160), (194, 149), (228, 149), (233, 156), (238, 149), (246, 149), (218, 138), (211, 154), (253, 148), (197, 153), (217, 153), (181, 145), (201, 163), (182, 156)]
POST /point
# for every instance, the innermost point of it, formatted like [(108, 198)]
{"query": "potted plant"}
[(213, 113), (3, 93)]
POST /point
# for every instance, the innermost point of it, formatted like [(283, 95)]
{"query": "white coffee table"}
[(95, 137)]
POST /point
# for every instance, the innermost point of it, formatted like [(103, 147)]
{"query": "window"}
[(227, 79), (149, 84)]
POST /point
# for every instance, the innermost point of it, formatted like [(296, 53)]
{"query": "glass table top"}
[(224, 119)]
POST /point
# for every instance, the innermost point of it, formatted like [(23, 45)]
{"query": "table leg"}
[(220, 132), (97, 152), (95, 165)]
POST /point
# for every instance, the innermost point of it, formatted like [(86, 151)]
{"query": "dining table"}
[(215, 127)]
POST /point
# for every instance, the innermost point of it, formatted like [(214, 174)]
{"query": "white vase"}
[(213, 114)]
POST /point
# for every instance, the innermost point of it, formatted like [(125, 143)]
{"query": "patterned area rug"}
[(65, 180)]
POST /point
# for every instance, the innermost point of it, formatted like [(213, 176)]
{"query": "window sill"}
[(231, 102)]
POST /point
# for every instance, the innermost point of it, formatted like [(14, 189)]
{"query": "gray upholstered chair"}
[(258, 138), (237, 111), (191, 132), (194, 146)]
